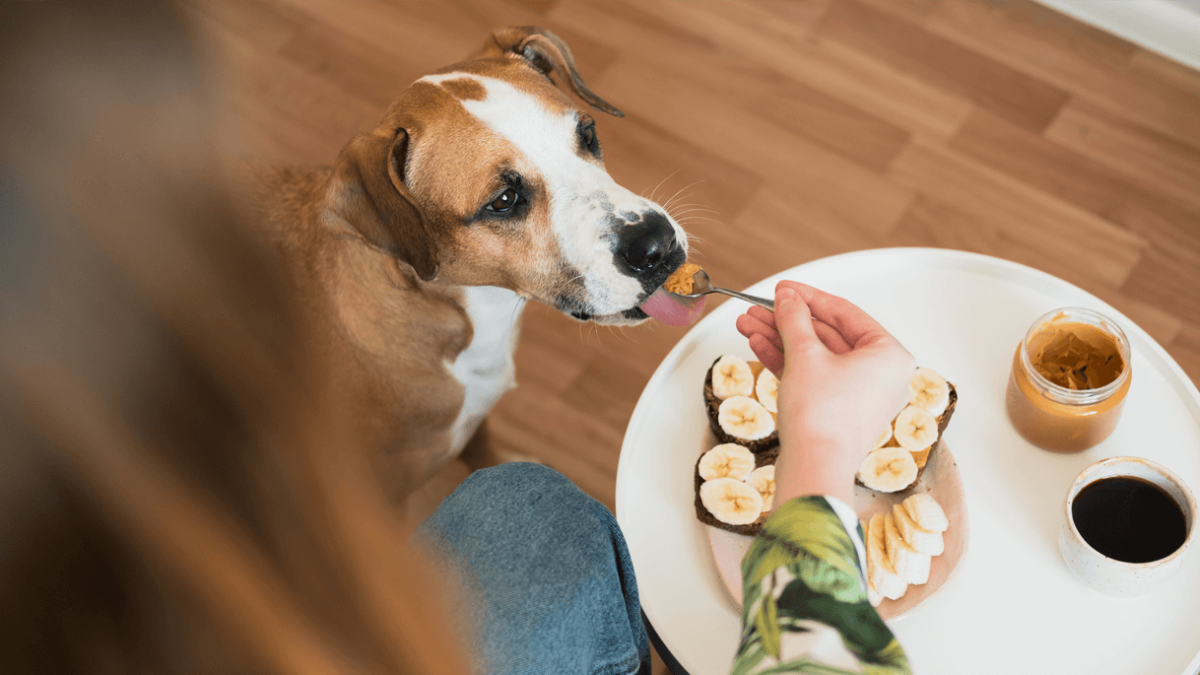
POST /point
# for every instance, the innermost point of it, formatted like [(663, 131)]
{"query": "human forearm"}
[(803, 581), (814, 467)]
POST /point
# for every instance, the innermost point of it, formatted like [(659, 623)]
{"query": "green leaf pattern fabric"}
[(805, 607)]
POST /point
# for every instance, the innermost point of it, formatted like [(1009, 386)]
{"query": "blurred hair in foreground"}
[(176, 494)]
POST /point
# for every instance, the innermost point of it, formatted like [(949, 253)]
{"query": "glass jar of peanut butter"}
[(1069, 379)]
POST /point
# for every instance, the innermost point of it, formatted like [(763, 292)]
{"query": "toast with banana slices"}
[(735, 488), (902, 451), (740, 400)]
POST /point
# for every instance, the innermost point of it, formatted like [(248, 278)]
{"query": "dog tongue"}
[(672, 309)]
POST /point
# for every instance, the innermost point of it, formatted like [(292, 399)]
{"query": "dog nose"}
[(643, 246)]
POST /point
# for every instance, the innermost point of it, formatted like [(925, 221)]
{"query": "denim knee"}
[(554, 586), (524, 500)]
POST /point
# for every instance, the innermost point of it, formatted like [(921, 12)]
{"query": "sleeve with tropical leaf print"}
[(805, 607)]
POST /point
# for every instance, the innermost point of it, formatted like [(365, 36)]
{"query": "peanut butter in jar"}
[(1069, 379)]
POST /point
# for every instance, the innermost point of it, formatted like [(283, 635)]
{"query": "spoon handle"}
[(752, 299)]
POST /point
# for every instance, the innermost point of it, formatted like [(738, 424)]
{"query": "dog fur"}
[(404, 253)]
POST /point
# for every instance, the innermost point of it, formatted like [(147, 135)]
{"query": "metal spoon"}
[(702, 286)]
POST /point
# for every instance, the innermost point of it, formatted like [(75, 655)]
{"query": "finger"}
[(750, 326), (828, 335), (832, 339), (764, 315), (768, 353), (794, 321), (855, 326)]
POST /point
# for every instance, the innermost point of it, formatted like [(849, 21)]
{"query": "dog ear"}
[(379, 206), (547, 53)]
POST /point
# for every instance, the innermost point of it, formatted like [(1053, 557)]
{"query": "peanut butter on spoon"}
[(680, 281)]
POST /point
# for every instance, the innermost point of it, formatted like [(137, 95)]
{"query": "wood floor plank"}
[(633, 28), (756, 145), (757, 53), (355, 67), (915, 12), (715, 51), (878, 88), (935, 223), (722, 22), (1034, 39), (1186, 350), (681, 170), (1155, 66), (1130, 148), (293, 116), (1170, 278), (1083, 61), (1142, 208), (269, 23), (832, 124), (1019, 213), (782, 228), (566, 438), (993, 86), (408, 33)]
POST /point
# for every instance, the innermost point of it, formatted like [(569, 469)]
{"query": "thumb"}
[(793, 319)]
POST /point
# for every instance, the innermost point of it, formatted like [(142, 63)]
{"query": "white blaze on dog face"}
[(563, 244)]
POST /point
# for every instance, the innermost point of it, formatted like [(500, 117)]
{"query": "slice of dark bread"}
[(760, 459), (943, 422), (712, 405)]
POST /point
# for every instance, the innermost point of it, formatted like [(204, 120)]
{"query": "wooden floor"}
[(789, 131)]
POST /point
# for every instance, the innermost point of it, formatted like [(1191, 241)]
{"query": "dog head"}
[(485, 173)]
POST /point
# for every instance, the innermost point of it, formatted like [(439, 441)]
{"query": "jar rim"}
[(1077, 396)]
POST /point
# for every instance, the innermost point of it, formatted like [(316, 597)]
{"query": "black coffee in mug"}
[(1129, 519)]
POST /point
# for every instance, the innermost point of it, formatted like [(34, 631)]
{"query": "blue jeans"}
[(547, 581)]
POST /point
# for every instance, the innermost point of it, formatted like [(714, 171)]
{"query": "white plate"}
[(1013, 606)]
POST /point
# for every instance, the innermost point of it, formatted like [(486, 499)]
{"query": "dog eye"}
[(587, 135), (505, 202)]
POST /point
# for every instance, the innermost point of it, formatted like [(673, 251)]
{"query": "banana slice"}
[(924, 541), (766, 390), (743, 417), (918, 568), (873, 595), (728, 460), (731, 501), (880, 573), (888, 470), (763, 480), (731, 376), (915, 429), (924, 510), (911, 565), (929, 391), (896, 548), (884, 437)]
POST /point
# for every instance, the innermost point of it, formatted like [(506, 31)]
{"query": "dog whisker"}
[(683, 213), (701, 218), (693, 204), (695, 207), (680, 191), (651, 197)]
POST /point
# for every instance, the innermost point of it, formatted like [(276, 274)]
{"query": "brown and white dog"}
[(483, 186)]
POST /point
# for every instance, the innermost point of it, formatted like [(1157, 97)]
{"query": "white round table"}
[(1012, 606)]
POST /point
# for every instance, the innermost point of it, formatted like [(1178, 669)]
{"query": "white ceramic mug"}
[(1116, 577)]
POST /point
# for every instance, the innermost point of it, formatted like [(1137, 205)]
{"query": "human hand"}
[(842, 377)]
